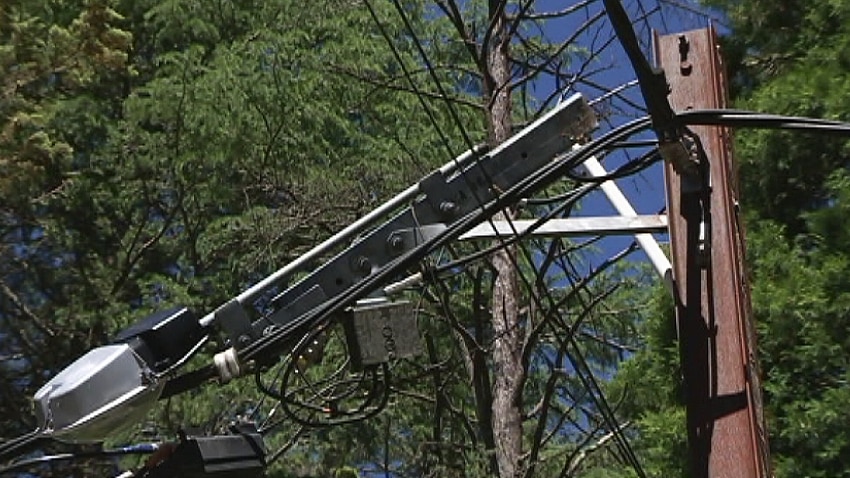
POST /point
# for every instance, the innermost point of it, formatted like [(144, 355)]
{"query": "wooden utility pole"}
[(726, 431)]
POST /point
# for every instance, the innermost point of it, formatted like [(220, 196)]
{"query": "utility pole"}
[(726, 433)]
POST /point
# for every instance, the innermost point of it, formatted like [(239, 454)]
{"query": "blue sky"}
[(645, 190)]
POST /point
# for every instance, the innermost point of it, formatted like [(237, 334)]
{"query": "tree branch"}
[(496, 12), (29, 314), (553, 14), (453, 12), (404, 89), (575, 462), (561, 48)]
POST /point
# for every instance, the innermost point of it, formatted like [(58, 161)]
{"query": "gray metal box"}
[(382, 331)]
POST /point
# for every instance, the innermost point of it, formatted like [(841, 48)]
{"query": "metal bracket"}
[(444, 197)]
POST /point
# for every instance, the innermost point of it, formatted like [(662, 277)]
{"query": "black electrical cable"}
[(501, 240), (543, 176), (632, 167), (21, 444), (700, 117), (452, 112), (454, 115), (652, 81), (140, 449), (563, 197), (589, 381), (433, 73), (397, 55), (751, 119), (456, 118), (283, 334), (620, 439), (567, 335), (481, 253), (269, 345), (365, 410), (327, 390), (604, 407), (644, 143)]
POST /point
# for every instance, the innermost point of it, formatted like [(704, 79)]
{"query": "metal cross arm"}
[(443, 197), (112, 384)]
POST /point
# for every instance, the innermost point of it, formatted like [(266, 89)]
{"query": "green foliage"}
[(795, 190), (652, 384), (163, 153), (800, 301), (49, 53)]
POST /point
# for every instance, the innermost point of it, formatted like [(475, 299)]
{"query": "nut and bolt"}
[(449, 207)]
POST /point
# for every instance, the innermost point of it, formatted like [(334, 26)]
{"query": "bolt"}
[(396, 242), (363, 264), (449, 208)]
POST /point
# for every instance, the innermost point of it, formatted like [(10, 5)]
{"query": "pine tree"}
[(784, 58)]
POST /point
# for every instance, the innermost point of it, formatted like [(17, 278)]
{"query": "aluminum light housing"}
[(107, 389)]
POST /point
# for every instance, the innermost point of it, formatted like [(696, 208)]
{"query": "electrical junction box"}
[(380, 330)]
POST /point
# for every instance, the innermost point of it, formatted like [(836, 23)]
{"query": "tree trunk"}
[(508, 371)]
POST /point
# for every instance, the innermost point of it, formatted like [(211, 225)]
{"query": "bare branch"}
[(609, 342), (456, 17), (22, 307), (496, 13), (554, 14), (616, 92), (688, 8), (561, 48), (576, 461), (537, 442), (388, 84), (518, 17)]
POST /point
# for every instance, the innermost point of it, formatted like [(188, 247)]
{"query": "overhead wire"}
[(21, 443), (567, 199), (698, 117), (138, 449), (333, 390), (523, 249), (498, 236), (751, 119), (423, 103), (723, 119), (438, 84), (397, 55), (542, 176), (579, 364)]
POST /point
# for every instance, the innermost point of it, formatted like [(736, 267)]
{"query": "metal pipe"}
[(647, 242)]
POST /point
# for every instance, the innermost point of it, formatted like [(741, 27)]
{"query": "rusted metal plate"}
[(725, 423)]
